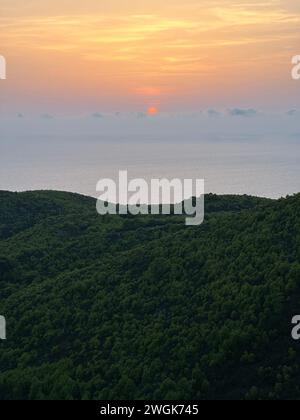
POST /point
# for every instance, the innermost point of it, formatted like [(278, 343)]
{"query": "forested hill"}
[(144, 307)]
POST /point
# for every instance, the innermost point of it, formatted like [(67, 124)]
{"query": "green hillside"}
[(144, 307)]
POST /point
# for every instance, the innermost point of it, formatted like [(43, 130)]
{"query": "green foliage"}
[(129, 308)]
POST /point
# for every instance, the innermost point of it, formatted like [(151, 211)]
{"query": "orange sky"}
[(132, 55)]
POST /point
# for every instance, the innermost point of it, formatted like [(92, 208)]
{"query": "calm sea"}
[(261, 168)]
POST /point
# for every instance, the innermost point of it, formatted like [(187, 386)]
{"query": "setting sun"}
[(152, 110)]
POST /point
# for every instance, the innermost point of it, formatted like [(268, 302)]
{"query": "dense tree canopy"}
[(144, 307)]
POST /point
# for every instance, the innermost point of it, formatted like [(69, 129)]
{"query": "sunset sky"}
[(75, 56)]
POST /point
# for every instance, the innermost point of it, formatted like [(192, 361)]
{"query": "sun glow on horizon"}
[(152, 110)]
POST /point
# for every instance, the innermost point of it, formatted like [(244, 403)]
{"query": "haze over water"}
[(262, 162)]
